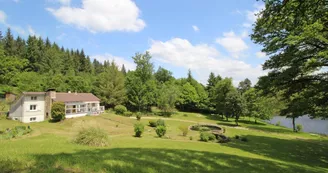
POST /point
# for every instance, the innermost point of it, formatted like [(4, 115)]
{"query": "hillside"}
[(49, 148)]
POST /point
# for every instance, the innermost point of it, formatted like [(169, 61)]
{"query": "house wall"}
[(16, 110), (38, 114)]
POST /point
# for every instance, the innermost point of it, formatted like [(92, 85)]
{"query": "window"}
[(33, 119), (32, 107), (34, 98)]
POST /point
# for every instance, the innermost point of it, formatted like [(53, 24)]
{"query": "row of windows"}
[(34, 98)]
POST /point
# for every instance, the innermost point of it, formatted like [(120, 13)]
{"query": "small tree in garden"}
[(138, 129), (58, 111), (160, 131)]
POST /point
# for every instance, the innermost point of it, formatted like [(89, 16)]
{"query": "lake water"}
[(309, 125)]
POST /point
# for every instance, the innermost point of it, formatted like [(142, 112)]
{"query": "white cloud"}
[(3, 20), (234, 44), (202, 59), (65, 2), (252, 15), (195, 28), (102, 16), (31, 31), (118, 60), (61, 36), (16, 1), (260, 54), (3, 17)]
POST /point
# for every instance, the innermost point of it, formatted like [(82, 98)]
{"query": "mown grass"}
[(50, 148)]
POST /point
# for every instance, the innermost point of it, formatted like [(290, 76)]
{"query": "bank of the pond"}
[(309, 125)]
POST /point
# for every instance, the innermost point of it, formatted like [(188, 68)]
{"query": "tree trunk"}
[(294, 124), (237, 117)]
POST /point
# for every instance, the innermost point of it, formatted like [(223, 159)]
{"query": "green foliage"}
[(244, 85), (138, 116), (15, 132), (190, 138), (128, 114), (58, 111), (278, 123), (299, 127), (92, 137), (160, 130), (120, 109), (152, 123), (162, 75), (160, 122), (235, 105), (138, 129), (237, 137), (110, 85), (167, 97), (206, 136), (297, 46), (222, 88), (184, 129)]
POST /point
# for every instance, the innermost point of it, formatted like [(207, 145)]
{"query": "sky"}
[(203, 36)]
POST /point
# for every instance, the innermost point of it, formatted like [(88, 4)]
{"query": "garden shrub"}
[(195, 127), (160, 122), (15, 132), (244, 139), (299, 127), (184, 129), (185, 115), (278, 123), (206, 136), (128, 114), (152, 123), (160, 130), (204, 129), (58, 111), (138, 129), (138, 116), (92, 137), (120, 109), (190, 138), (237, 137)]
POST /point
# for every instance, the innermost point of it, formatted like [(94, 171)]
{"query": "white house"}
[(36, 106)]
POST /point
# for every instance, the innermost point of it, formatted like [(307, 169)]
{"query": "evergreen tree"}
[(33, 54), (9, 44), (111, 87), (123, 70)]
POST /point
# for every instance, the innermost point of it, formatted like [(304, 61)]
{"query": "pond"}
[(309, 125)]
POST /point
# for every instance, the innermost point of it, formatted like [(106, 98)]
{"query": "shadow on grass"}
[(312, 153), (271, 129), (150, 160)]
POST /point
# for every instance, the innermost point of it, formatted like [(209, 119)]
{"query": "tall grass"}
[(92, 137)]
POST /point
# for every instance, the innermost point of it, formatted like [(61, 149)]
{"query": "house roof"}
[(75, 97), (34, 93)]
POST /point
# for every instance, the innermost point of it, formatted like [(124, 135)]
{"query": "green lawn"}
[(270, 148)]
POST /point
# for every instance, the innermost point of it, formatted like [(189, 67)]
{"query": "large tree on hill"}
[(294, 34), (235, 105), (140, 84), (162, 75), (210, 88), (222, 88)]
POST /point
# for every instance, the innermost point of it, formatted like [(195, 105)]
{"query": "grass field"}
[(49, 148)]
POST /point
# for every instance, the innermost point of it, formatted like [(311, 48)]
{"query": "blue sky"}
[(203, 36)]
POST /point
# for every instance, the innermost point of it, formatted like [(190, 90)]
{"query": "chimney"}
[(52, 93)]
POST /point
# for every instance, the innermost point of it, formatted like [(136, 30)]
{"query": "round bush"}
[(160, 122), (58, 111), (138, 129), (299, 127), (205, 136), (152, 123), (244, 139), (120, 109), (138, 116), (184, 129), (92, 137), (160, 131), (128, 114)]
